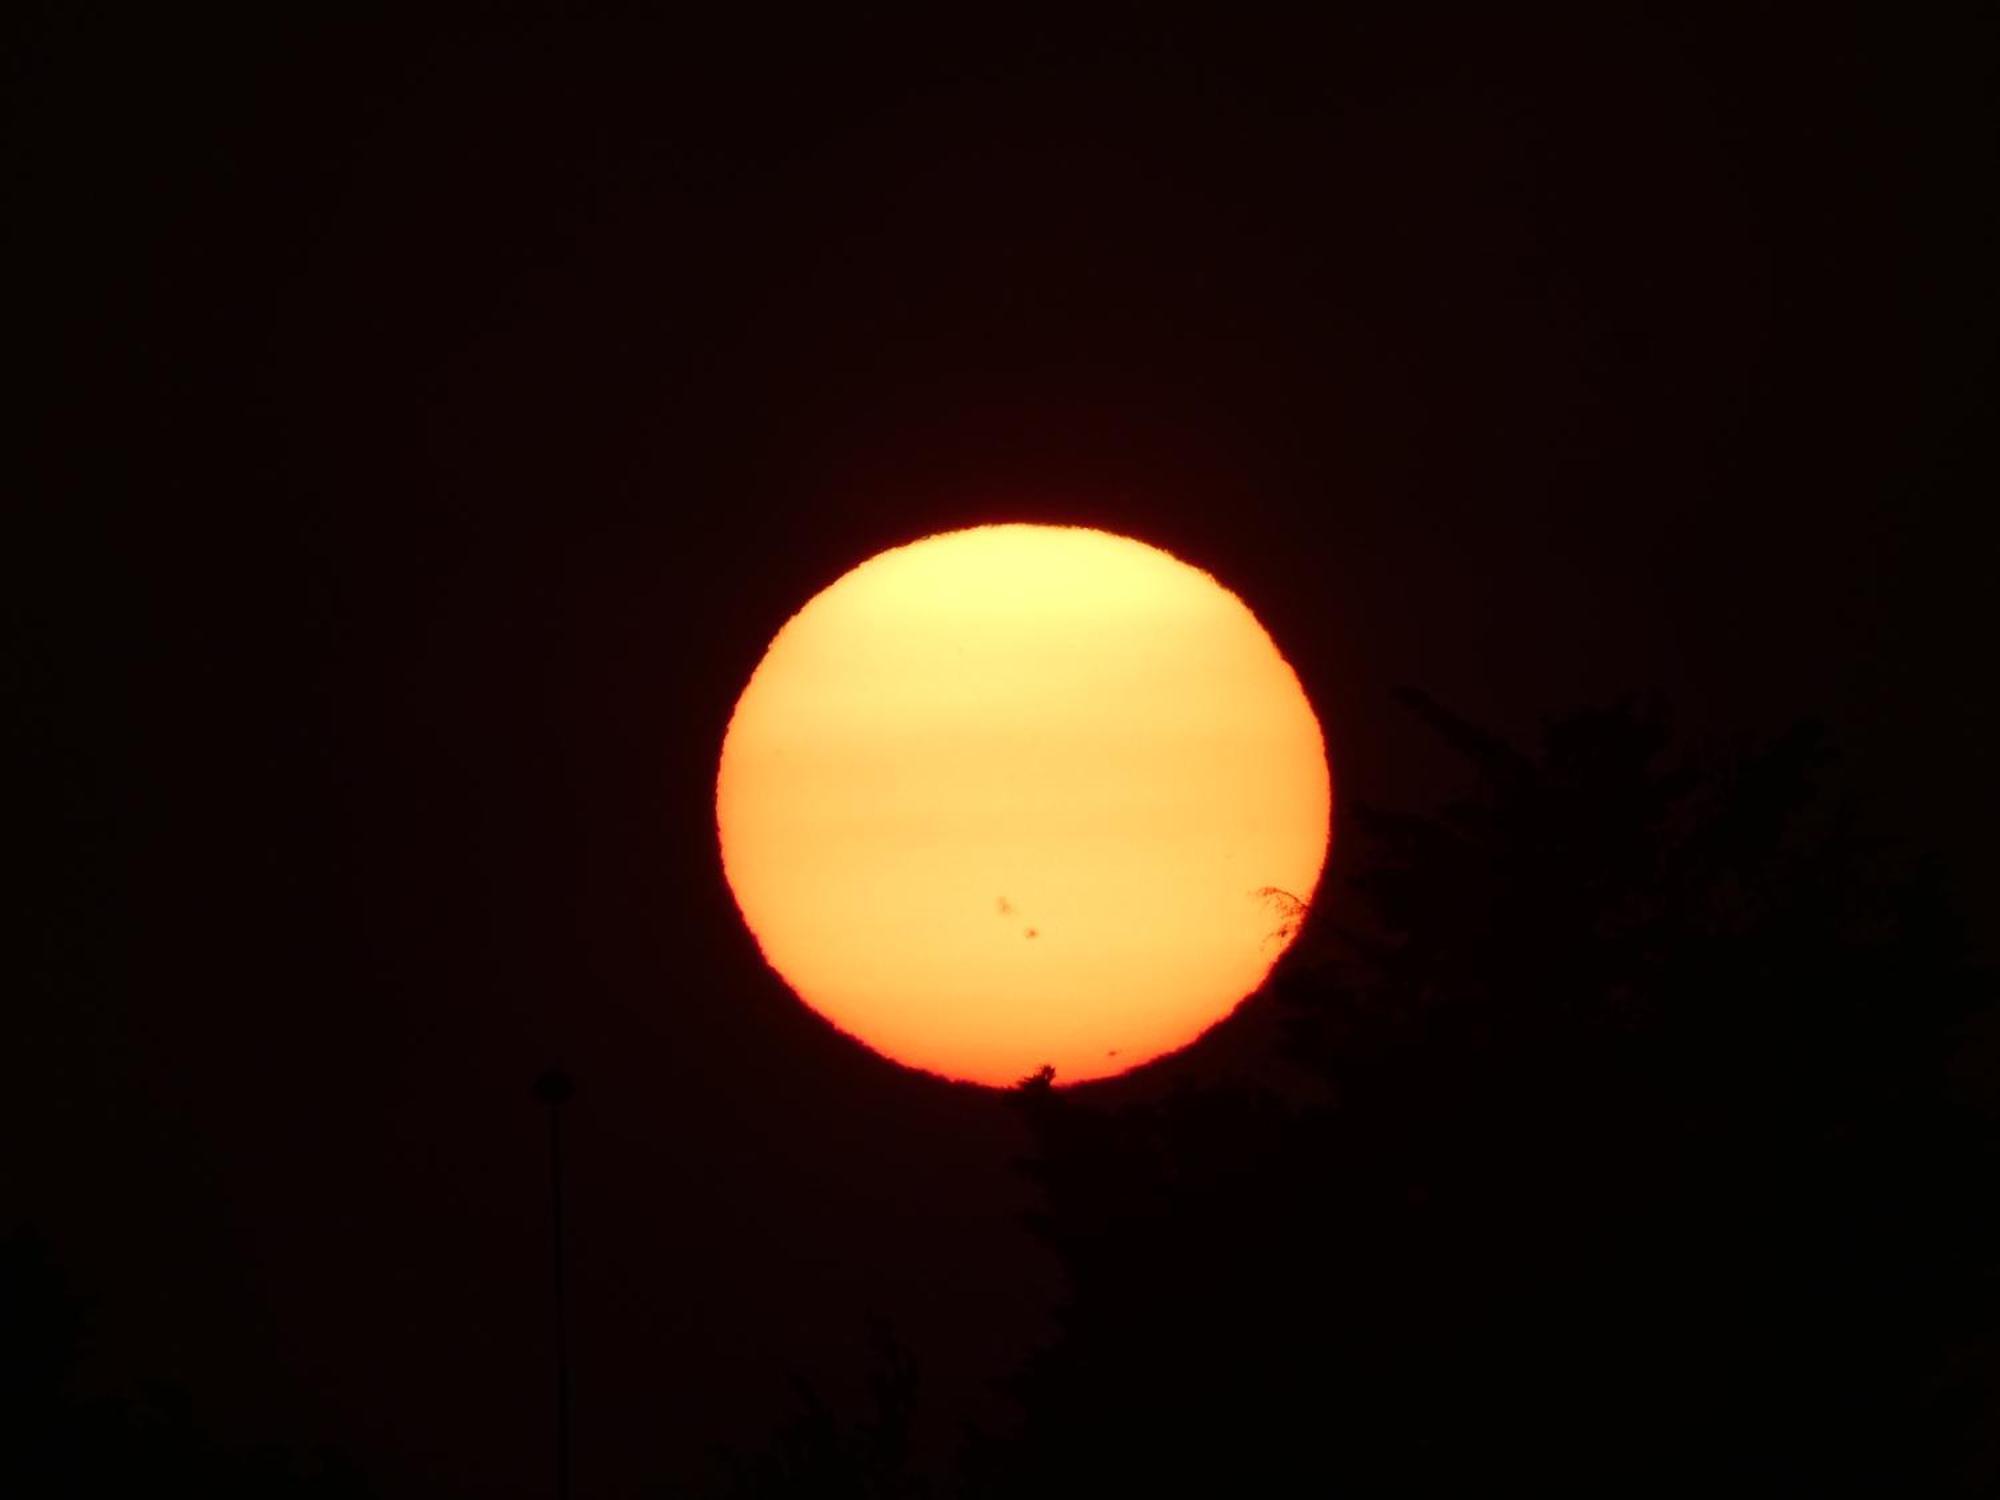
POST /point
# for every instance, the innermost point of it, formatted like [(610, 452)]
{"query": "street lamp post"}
[(554, 1088)]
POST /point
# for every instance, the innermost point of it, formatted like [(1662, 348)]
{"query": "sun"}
[(1020, 796)]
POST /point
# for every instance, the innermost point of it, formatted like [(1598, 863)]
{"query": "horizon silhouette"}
[(1619, 1150)]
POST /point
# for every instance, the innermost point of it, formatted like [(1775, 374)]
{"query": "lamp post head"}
[(554, 1087)]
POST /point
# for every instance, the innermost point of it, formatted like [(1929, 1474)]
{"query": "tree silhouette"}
[(1626, 1159), (818, 1454), (57, 1441)]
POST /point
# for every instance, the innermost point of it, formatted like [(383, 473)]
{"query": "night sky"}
[(426, 427)]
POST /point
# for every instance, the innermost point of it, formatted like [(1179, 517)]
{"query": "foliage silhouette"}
[(1626, 1159), (818, 1454), (56, 1441)]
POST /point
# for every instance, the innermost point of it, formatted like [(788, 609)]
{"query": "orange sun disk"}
[(1021, 796)]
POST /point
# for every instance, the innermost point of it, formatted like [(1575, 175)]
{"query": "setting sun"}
[(1023, 795)]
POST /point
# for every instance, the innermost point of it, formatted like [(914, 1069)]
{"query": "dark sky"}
[(429, 426)]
